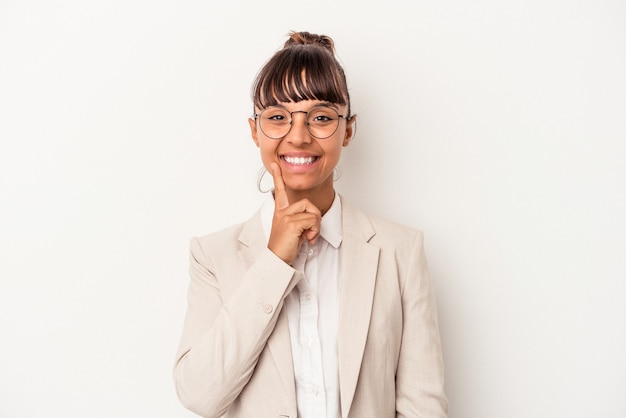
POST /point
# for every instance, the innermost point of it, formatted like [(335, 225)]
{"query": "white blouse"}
[(313, 314)]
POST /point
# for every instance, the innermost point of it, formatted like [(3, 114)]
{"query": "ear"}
[(350, 130), (253, 131)]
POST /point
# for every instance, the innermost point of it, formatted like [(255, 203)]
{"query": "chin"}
[(298, 187)]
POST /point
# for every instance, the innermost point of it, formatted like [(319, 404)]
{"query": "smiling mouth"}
[(299, 160)]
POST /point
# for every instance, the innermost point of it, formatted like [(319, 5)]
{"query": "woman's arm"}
[(222, 339), (420, 372)]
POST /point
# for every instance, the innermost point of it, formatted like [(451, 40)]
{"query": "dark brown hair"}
[(305, 69)]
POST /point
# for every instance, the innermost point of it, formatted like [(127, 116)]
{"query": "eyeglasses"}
[(321, 121)]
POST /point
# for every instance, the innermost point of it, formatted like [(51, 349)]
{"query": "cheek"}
[(333, 151), (268, 151)]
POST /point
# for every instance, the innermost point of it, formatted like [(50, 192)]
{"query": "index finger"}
[(280, 194)]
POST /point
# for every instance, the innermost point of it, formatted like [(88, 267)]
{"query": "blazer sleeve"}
[(222, 339), (420, 371)]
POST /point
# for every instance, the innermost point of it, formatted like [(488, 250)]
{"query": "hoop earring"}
[(336, 174), (259, 180)]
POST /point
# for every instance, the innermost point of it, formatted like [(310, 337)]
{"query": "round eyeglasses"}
[(321, 121)]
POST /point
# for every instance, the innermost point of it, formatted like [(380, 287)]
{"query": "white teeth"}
[(299, 160)]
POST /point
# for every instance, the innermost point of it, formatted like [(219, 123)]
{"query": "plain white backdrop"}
[(497, 127)]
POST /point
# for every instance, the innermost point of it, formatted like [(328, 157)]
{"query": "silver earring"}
[(259, 180), (336, 174)]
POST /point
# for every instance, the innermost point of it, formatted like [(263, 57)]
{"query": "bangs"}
[(297, 74)]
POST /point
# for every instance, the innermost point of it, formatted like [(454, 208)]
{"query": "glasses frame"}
[(306, 120)]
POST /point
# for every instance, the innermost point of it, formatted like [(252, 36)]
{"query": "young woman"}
[(311, 308)]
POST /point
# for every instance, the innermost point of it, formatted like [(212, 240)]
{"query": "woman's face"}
[(306, 163)]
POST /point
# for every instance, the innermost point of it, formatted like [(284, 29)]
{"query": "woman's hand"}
[(292, 224)]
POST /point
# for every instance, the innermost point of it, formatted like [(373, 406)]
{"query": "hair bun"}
[(306, 38)]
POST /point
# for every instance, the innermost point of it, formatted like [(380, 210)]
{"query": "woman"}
[(311, 308)]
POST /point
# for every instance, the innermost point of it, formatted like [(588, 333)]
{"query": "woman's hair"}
[(305, 69)]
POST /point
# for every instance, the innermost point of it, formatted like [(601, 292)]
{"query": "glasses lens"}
[(275, 122), (322, 121)]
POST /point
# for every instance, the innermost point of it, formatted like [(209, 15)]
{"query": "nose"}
[(299, 132)]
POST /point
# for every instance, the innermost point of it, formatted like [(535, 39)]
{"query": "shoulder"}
[(401, 247), (227, 240), (212, 245), (378, 230), (386, 226), (220, 237), (399, 238)]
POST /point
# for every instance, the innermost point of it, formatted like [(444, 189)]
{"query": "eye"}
[(322, 115), (322, 118), (275, 115)]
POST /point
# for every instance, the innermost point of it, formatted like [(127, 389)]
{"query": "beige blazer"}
[(234, 358)]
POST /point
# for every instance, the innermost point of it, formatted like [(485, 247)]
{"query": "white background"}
[(497, 127)]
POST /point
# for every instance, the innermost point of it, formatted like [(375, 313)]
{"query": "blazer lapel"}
[(359, 265), (253, 243)]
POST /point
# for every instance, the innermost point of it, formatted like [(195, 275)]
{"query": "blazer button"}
[(267, 308)]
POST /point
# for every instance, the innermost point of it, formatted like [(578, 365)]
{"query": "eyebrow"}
[(328, 104)]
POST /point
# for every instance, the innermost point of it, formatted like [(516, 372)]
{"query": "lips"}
[(299, 160)]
